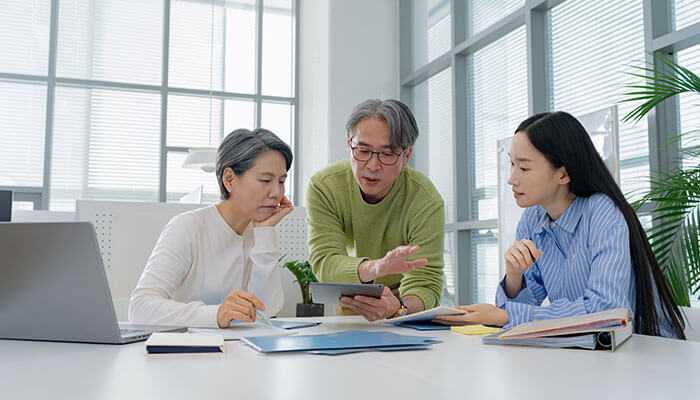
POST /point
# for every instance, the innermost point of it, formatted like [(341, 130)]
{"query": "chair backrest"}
[(128, 231)]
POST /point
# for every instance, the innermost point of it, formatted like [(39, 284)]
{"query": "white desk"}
[(459, 368)]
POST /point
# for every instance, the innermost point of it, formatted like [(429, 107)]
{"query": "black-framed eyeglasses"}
[(386, 157)]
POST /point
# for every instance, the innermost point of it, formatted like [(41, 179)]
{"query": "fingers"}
[(522, 254), (251, 298), (230, 314), (404, 251), (285, 203), (369, 312), (536, 253), (456, 319)]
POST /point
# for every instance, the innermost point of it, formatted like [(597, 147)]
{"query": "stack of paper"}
[(243, 329), (605, 330), (166, 342), (340, 343)]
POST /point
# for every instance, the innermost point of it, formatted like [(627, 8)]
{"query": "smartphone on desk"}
[(330, 293)]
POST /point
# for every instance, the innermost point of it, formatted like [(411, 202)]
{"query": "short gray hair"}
[(241, 148), (402, 125)]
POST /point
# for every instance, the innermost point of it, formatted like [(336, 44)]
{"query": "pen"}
[(262, 318)]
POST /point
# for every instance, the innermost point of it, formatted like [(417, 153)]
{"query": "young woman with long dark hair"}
[(579, 242)]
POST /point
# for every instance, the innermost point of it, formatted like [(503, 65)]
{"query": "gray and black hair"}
[(402, 125), (241, 148)]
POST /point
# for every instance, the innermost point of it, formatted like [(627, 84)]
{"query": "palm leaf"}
[(675, 235), (658, 86)]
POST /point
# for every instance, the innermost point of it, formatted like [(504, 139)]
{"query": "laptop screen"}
[(5, 205)]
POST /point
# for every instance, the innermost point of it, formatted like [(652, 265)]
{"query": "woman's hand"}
[(239, 305), (282, 211), (520, 256), (485, 314)]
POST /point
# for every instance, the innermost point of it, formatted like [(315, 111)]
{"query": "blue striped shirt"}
[(585, 266)]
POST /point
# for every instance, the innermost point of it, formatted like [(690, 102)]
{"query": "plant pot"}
[(309, 310)]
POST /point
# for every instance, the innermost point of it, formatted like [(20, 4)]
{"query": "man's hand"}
[(239, 305), (371, 308), (394, 262)]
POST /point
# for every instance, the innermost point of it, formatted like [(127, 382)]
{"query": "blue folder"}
[(424, 326), (344, 340)]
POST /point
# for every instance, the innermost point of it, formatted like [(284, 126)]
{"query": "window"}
[(121, 66), (689, 104), (591, 50), (580, 54), (686, 13), (498, 89), (22, 115), (433, 153), (499, 93), (432, 26), (484, 13)]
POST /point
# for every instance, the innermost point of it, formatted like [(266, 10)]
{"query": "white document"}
[(243, 329), (425, 315)]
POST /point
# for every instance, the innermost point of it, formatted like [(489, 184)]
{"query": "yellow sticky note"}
[(474, 329)]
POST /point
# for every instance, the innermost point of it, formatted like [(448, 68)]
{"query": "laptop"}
[(53, 286)]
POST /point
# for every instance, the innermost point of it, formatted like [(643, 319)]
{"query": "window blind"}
[(212, 45), (111, 40), (686, 13), (498, 92), (498, 82), (24, 37), (484, 13), (434, 151), (22, 118), (278, 48), (591, 49), (107, 146), (432, 27)]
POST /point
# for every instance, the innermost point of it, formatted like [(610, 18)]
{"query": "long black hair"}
[(565, 143)]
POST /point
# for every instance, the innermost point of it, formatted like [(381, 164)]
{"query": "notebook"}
[(161, 342), (605, 330), (344, 340)]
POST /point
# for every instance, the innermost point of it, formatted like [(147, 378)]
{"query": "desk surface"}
[(460, 367)]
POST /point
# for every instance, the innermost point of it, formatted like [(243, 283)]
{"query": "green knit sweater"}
[(345, 230)]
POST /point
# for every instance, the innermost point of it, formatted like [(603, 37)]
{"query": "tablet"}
[(330, 293)]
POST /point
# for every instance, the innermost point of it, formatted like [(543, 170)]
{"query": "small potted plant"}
[(304, 275)]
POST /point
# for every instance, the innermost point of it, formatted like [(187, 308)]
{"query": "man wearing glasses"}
[(374, 219)]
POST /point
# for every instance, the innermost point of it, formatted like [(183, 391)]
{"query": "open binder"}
[(605, 330)]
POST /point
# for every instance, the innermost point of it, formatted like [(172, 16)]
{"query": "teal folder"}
[(345, 340)]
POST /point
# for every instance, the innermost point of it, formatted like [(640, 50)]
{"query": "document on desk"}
[(243, 329), (340, 342), (605, 330), (425, 315)]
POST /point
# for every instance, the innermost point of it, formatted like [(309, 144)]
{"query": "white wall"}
[(349, 52)]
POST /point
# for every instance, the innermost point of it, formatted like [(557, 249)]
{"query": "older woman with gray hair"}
[(218, 264)]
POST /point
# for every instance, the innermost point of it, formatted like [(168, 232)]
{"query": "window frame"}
[(659, 38), (51, 80)]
